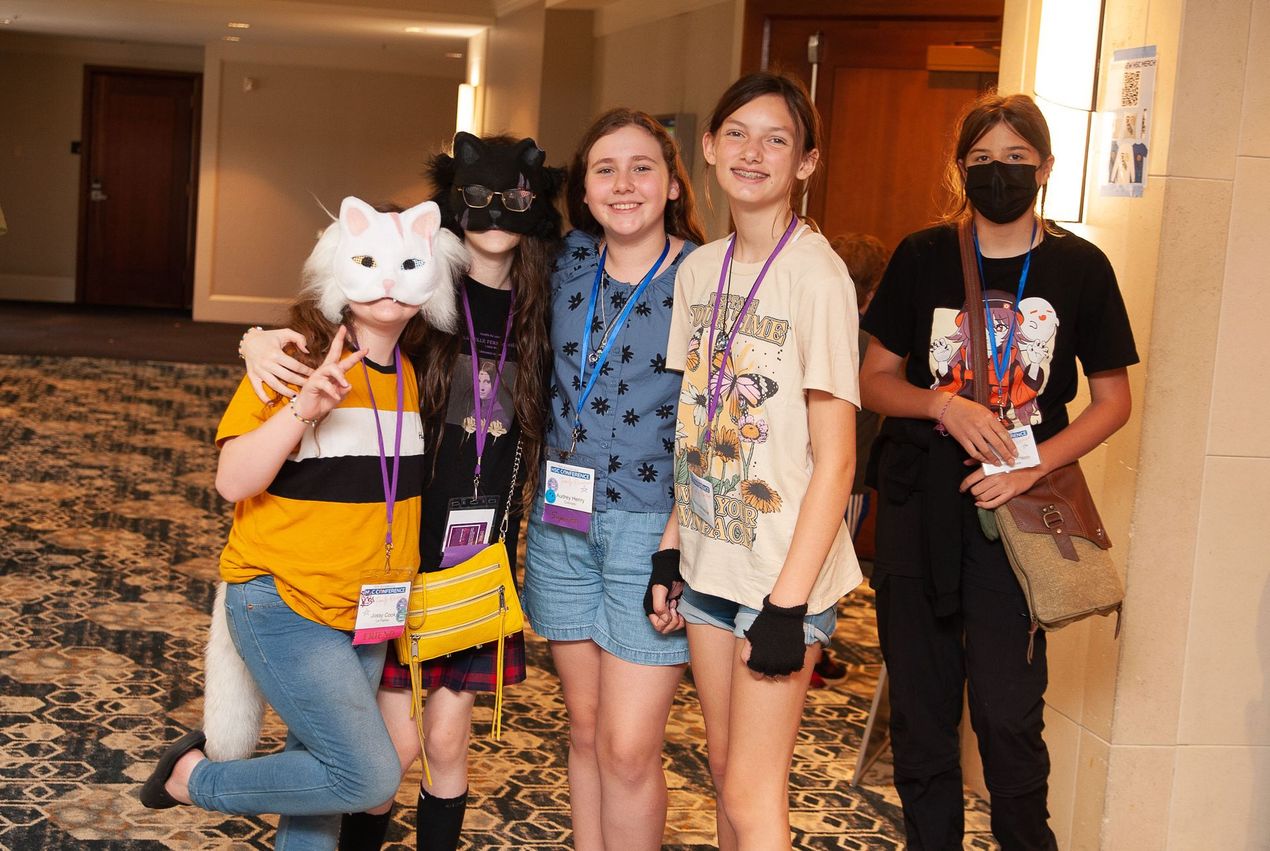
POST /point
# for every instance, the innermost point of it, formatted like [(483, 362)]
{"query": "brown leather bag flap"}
[(1060, 504)]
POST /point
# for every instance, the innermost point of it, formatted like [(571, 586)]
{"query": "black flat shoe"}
[(153, 795)]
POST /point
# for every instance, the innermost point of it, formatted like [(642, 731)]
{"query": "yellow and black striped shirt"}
[(319, 527)]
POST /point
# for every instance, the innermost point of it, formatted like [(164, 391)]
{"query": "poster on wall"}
[(1126, 121)]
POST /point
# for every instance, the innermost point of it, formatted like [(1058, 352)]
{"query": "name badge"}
[(568, 495), (381, 612), (468, 527), (701, 497), (1028, 454)]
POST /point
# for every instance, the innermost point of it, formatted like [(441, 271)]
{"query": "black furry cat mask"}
[(498, 163)]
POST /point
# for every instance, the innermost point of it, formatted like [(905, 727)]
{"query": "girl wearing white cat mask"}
[(327, 482)]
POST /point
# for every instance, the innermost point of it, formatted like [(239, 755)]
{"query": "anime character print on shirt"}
[(741, 424), (1036, 327)]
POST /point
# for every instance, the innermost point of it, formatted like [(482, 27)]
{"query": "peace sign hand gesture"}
[(323, 391)]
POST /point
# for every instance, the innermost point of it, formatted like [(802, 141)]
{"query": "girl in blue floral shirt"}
[(607, 481)]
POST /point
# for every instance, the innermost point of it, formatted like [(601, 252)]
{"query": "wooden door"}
[(137, 188), (888, 120)]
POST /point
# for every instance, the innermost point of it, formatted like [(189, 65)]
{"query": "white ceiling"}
[(445, 24)]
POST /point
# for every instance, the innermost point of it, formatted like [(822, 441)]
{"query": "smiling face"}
[(628, 183), (756, 153)]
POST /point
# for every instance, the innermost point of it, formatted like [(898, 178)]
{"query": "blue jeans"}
[(709, 610), (591, 586), (338, 757)]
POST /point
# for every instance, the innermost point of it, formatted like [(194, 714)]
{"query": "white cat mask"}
[(367, 255)]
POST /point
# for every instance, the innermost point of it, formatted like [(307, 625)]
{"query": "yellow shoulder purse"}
[(461, 607)]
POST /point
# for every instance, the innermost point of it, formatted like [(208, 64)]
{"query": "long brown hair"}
[(530, 282), (681, 218), (1018, 112), (808, 131)]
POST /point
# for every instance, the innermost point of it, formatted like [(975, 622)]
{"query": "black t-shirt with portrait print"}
[(1071, 310), (456, 457)]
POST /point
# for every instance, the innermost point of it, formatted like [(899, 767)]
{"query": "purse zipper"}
[(481, 596), (418, 636), (475, 573)]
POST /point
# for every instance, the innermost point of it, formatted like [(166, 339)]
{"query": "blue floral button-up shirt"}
[(628, 424)]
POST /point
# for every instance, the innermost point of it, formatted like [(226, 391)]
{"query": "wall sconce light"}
[(1067, 57), (465, 117)]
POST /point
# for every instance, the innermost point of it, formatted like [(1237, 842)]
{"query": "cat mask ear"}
[(467, 148)]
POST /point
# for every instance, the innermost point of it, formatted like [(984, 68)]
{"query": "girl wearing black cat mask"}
[(496, 193)]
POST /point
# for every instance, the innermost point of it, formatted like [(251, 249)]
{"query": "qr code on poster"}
[(1129, 90)]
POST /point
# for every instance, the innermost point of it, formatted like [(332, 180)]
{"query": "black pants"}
[(928, 661)]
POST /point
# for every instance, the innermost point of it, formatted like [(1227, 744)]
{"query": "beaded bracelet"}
[(243, 339), (295, 412), (939, 420)]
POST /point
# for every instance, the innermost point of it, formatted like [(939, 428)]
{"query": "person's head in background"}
[(866, 258)]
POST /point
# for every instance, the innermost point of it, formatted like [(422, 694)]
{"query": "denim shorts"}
[(591, 586), (710, 610)]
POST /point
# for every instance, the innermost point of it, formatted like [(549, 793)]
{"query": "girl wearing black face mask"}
[(948, 606)]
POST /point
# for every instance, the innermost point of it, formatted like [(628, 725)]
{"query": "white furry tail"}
[(232, 703)]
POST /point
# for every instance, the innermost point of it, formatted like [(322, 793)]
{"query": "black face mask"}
[(1002, 191)]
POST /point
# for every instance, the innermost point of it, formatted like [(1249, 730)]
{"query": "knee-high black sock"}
[(440, 821), (364, 831)]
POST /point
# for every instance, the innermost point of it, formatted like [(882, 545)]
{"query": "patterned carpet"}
[(111, 531)]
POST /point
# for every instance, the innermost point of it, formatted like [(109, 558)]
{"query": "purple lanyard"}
[(712, 404), (480, 413), (390, 485)]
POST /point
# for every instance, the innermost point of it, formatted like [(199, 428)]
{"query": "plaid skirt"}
[(469, 670)]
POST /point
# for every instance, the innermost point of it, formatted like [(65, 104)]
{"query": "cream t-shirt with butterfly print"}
[(799, 334)]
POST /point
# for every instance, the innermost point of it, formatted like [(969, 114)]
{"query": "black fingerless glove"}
[(665, 573), (777, 642)]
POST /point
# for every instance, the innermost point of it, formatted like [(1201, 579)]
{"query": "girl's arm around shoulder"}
[(267, 362), (831, 424), (249, 460)]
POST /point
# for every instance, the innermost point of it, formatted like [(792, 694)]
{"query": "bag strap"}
[(511, 492), (974, 310)]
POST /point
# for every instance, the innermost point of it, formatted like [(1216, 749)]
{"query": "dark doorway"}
[(888, 117), (137, 187)]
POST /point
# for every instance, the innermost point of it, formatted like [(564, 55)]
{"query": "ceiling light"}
[(230, 38), (448, 30), (6, 21), (238, 25), (454, 56)]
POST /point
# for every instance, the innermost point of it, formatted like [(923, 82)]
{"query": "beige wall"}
[(315, 128), (679, 63), (41, 111), (566, 107), (1162, 740), (513, 72)]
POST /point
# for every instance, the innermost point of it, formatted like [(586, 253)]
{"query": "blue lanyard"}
[(1001, 357), (601, 355)]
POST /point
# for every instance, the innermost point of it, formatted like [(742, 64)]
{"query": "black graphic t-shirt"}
[(457, 454), (1071, 310)]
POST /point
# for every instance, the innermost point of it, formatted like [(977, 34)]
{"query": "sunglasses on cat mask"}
[(514, 200)]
